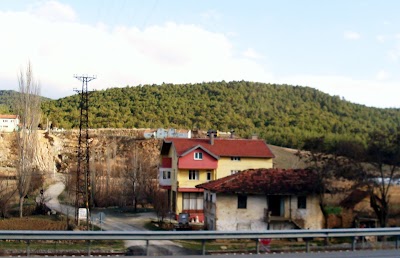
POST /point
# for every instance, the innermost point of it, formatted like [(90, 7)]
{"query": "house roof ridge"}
[(266, 181), (224, 147)]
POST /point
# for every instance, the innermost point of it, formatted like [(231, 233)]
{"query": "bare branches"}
[(28, 108)]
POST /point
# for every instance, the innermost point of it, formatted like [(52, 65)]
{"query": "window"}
[(166, 174), (208, 175), (235, 158), (301, 202), (193, 175), (198, 156), (234, 172), (242, 201), (192, 201)]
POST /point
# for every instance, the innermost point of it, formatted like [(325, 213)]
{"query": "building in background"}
[(263, 199), (9, 123), (185, 163)]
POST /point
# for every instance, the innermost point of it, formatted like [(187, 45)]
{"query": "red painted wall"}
[(188, 161), (166, 163)]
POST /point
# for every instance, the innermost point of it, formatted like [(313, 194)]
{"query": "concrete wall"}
[(312, 216), (222, 213), (229, 217)]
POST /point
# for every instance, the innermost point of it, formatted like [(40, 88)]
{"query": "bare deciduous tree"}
[(28, 108), (7, 191), (140, 175), (160, 204)]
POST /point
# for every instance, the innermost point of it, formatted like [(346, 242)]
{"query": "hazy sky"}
[(348, 48)]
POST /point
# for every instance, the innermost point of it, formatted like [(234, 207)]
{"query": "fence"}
[(148, 236)]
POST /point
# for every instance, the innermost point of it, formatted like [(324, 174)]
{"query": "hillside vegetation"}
[(283, 115)]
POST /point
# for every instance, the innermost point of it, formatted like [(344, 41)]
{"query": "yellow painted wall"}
[(183, 178), (179, 203), (225, 165)]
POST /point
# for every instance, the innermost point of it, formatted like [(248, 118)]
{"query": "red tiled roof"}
[(8, 116), (224, 147), (266, 181)]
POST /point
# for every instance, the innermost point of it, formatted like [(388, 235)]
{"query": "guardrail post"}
[(28, 247), (353, 244), (88, 242), (203, 246), (147, 247), (397, 242), (257, 246), (307, 245)]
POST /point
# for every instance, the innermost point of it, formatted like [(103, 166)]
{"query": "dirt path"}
[(115, 220)]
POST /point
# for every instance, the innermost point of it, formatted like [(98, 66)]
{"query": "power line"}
[(83, 186)]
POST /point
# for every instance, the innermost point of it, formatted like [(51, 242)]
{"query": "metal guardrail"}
[(147, 236)]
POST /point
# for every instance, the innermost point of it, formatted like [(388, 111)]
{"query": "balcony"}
[(164, 177)]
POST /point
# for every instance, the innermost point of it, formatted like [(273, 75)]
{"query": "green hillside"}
[(7, 100), (282, 114)]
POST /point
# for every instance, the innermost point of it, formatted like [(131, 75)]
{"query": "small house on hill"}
[(261, 199), (9, 123)]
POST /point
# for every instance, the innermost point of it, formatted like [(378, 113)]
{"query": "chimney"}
[(232, 132), (212, 134), (254, 137)]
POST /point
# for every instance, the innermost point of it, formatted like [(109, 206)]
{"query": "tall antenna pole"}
[(83, 186)]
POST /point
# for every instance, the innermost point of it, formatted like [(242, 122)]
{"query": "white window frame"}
[(194, 175), (234, 172), (192, 201), (198, 156)]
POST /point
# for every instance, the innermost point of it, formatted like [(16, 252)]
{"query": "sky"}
[(346, 48)]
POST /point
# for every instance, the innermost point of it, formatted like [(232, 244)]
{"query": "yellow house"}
[(186, 163)]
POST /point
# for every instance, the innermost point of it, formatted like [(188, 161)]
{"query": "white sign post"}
[(82, 213)]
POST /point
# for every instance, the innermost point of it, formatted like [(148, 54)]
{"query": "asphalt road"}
[(115, 220)]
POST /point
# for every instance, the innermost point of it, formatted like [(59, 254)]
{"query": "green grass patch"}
[(10, 246), (335, 210)]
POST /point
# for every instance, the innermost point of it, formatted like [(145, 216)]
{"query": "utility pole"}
[(83, 184)]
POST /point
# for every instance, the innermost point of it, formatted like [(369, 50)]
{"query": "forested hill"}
[(281, 114), (8, 99)]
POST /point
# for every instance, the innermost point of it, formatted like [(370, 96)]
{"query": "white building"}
[(263, 199), (9, 123)]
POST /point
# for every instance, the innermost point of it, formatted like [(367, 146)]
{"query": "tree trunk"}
[(21, 206)]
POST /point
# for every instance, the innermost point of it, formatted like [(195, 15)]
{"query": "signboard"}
[(82, 213)]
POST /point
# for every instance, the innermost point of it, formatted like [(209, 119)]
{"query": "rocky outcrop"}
[(57, 151)]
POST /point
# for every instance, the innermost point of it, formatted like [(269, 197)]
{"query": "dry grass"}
[(286, 158), (32, 223)]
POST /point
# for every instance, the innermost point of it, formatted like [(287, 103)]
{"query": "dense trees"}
[(282, 114)]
